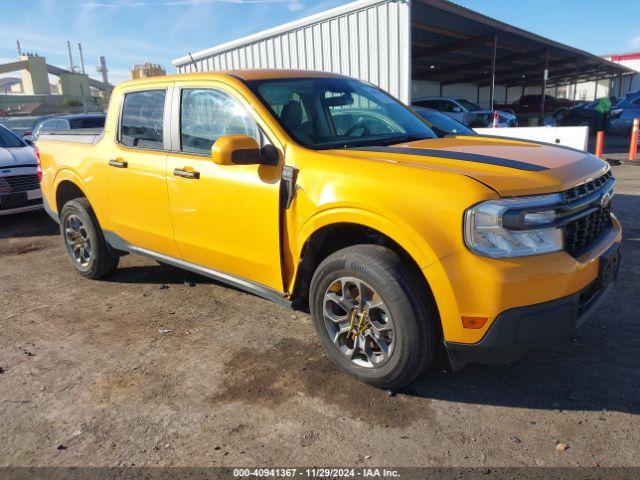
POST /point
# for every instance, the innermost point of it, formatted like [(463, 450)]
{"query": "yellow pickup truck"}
[(324, 193)]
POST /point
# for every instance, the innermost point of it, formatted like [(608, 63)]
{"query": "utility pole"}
[(81, 58), (492, 87), (72, 69), (105, 79), (545, 77)]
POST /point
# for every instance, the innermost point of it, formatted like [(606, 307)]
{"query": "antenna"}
[(195, 65), (19, 49)]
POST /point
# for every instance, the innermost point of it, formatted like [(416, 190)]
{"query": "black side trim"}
[(463, 156), (118, 243)]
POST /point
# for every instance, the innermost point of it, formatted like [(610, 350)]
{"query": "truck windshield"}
[(323, 113)]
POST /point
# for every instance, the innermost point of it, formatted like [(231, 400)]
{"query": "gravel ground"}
[(145, 369)]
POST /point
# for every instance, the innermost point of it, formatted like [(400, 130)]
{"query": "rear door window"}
[(428, 104), (142, 121)]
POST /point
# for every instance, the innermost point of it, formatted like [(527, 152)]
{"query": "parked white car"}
[(19, 175), (466, 112)]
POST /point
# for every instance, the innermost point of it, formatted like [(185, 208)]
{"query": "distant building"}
[(629, 60), (32, 92), (147, 70)]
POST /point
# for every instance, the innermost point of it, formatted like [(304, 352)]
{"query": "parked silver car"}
[(23, 126), (623, 113), (61, 123), (466, 112), (19, 175)]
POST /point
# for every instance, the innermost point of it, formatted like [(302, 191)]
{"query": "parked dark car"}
[(441, 124), (60, 123), (623, 113), (580, 115), (532, 105), (19, 182)]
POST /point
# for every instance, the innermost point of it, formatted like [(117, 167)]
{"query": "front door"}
[(225, 217), (137, 183)]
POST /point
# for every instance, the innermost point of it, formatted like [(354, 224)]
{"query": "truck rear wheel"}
[(88, 251), (373, 317)]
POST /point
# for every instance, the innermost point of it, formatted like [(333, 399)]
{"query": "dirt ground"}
[(145, 369)]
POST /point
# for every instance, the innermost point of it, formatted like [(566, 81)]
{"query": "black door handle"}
[(118, 163), (179, 172)]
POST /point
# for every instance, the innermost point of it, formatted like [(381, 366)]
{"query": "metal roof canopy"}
[(452, 44), (390, 43)]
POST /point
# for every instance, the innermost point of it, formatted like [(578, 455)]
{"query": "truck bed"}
[(80, 135)]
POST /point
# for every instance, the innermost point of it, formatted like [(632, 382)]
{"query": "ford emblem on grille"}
[(606, 199)]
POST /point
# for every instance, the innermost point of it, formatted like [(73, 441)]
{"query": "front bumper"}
[(33, 202), (520, 329)]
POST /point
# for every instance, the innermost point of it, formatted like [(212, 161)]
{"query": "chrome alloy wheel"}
[(77, 239), (358, 322)]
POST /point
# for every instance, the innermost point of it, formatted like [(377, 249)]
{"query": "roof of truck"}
[(257, 74)]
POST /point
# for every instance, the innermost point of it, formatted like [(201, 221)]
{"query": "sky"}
[(157, 31)]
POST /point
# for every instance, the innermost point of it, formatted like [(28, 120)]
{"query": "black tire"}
[(413, 313), (103, 260)]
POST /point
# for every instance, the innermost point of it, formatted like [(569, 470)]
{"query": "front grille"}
[(581, 191), (18, 183), (581, 232)]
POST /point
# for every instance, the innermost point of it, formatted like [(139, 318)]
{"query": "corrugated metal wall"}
[(370, 41)]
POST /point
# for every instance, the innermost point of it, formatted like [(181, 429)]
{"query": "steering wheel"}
[(353, 128)]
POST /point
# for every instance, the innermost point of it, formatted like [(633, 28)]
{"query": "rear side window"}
[(142, 121), (52, 126), (90, 122)]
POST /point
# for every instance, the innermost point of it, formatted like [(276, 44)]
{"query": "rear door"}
[(225, 217), (137, 165)]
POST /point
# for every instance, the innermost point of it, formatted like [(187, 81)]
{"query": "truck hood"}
[(16, 157), (510, 167)]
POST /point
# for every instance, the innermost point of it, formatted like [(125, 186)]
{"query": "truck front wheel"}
[(88, 251), (373, 316)]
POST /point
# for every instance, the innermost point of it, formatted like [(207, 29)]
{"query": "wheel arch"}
[(66, 191), (326, 235), (67, 186)]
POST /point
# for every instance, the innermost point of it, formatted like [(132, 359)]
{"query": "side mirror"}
[(235, 149), (28, 140), (239, 150)]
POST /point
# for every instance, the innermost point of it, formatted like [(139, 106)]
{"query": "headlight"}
[(514, 227)]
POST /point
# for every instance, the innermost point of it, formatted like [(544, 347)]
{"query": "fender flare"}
[(68, 175), (406, 237)]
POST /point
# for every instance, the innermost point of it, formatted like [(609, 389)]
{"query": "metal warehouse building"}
[(416, 48)]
